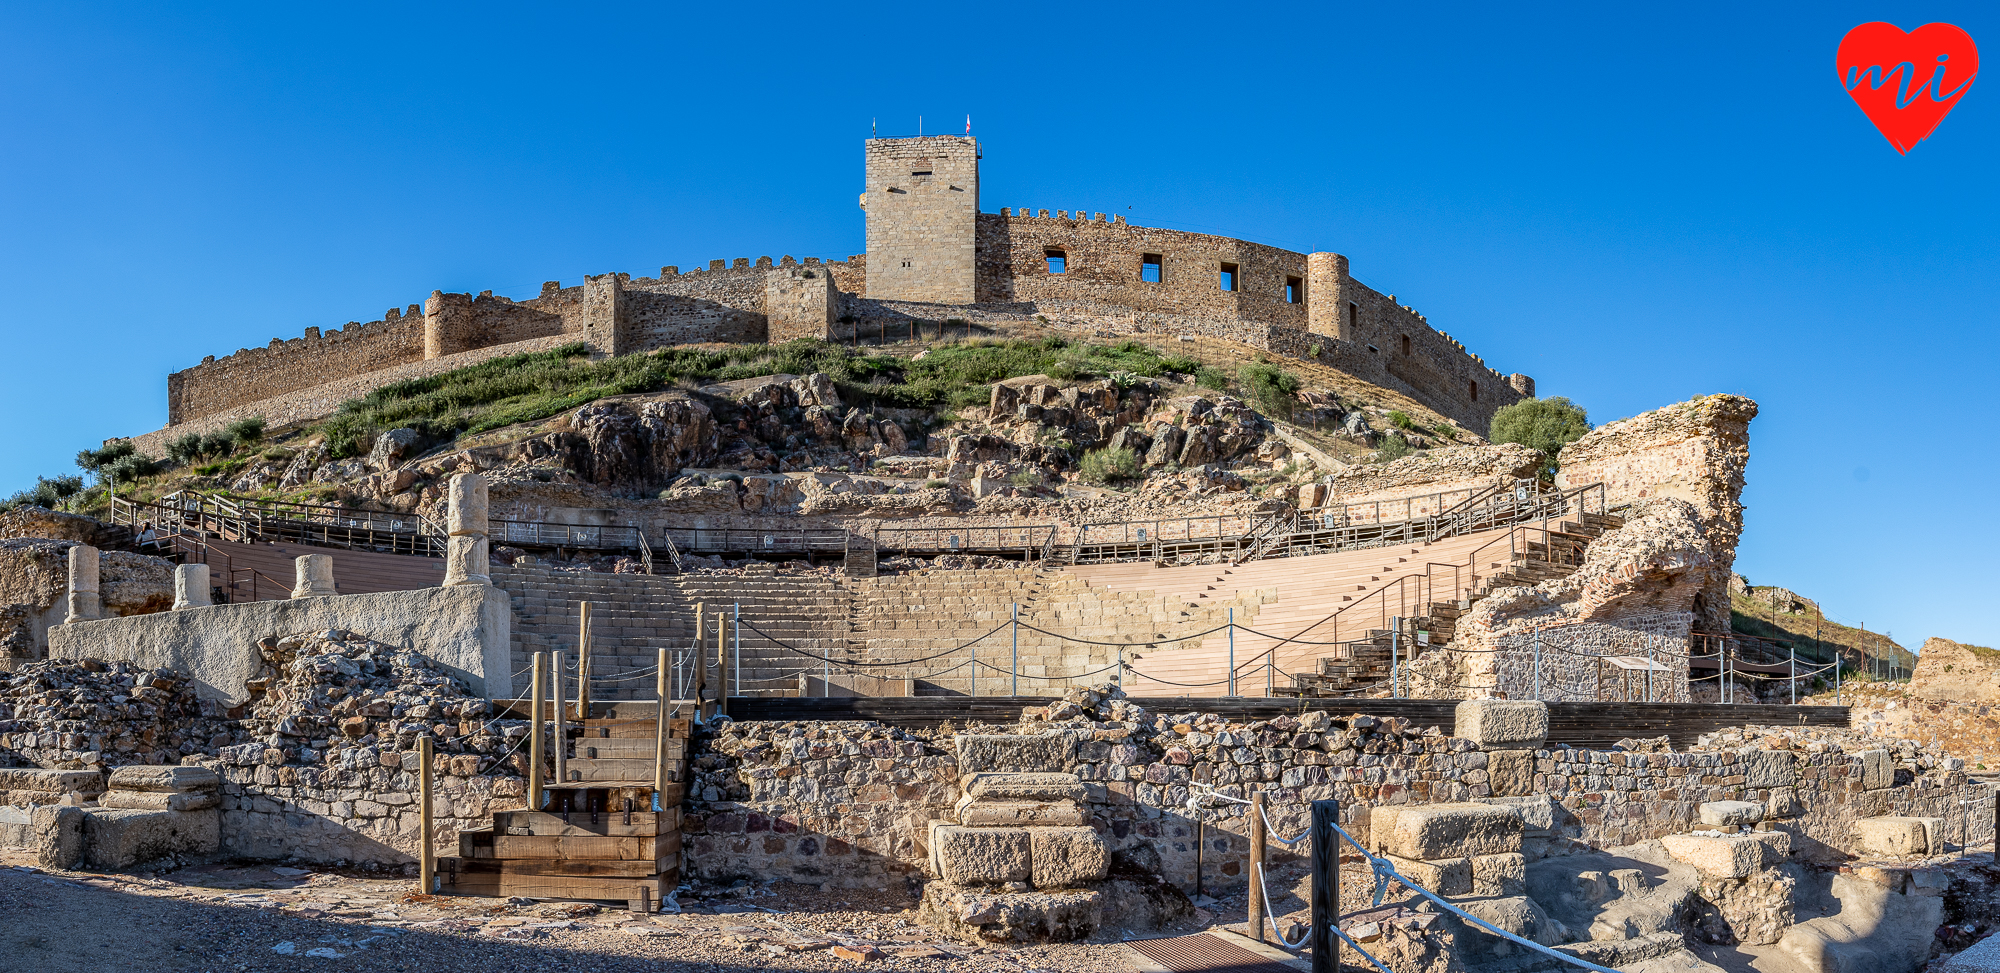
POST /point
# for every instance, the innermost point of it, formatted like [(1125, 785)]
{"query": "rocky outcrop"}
[(1956, 672), (1451, 468), (631, 445)]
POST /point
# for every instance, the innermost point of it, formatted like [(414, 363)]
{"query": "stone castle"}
[(932, 255)]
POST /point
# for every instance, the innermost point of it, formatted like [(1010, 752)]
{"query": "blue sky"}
[(1634, 206)]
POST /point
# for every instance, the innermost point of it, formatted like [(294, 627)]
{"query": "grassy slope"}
[(1807, 631)]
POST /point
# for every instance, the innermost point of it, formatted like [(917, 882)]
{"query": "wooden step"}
[(607, 748), (641, 729), (498, 879), (607, 772), (617, 824), (662, 851)]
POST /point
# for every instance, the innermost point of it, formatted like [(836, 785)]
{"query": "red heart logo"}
[(1906, 83)]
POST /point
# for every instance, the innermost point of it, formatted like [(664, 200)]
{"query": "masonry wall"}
[(850, 804), (253, 374)]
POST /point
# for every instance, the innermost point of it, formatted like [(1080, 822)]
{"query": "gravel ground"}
[(245, 917)]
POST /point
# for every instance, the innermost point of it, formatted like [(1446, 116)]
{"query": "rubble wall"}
[(34, 584), (362, 810), (462, 629), (1693, 451), (849, 804)]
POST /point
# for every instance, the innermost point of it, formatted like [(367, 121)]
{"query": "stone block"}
[(89, 783), (1717, 813), (1503, 724), (980, 856), (979, 915), (1023, 787), (1730, 856), (164, 780), (1511, 773), (979, 812), (58, 836), (1499, 875), (1445, 876), (120, 838), (1768, 768), (1537, 813), (152, 801), (1896, 837), (1427, 832), (1016, 753), (1878, 770), (1064, 858)]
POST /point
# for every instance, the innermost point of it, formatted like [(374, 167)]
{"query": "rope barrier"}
[(1128, 645), (905, 662)]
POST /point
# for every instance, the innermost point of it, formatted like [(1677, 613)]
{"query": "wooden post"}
[(660, 741), (1257, 865), (535, 740), (1325, 887), (561, 723), (723, 688), (1200, 850), (427, 864), (583, 665), (701, 709)]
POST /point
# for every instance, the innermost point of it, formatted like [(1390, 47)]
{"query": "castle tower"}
[(447, 324), (1326, 296), (923, 205)]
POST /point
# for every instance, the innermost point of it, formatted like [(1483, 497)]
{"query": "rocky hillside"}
[(814, 428), (1784, 615)]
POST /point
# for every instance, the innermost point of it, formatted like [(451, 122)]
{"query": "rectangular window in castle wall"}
[(1058, 261), (1406, 344), (1475, 391), (1295, 290), (1232, 277), (1353, 315), (1149, 268)]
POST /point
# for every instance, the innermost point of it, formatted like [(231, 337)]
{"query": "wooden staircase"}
[(604, 834)]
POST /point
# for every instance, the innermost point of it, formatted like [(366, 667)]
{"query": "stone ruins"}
[(657, 646)]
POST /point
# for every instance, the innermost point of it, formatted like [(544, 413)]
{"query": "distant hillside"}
[(1775, 613)]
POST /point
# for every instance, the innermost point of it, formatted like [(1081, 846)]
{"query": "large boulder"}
[(1957, 671)]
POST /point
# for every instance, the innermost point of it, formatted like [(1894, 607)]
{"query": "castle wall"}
[(1103, 262), (254, 374)]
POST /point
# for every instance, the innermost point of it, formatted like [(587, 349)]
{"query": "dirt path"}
[(254, 918)]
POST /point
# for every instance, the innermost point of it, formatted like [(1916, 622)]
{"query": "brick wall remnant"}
[(1693, 451)]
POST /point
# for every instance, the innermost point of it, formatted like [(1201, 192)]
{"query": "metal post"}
[(561, 725), (1015, 666), (1837, 702), (698, 663), (1649, 659), (725, 690), (582, 665), (1257, 865), (660, 735), (1325, 887), (540, 684), (427, 865), (1395, 658), (1795, 675), (972, 668), (1538, 662), (1118, 674), (736, 646), (1232, 651)]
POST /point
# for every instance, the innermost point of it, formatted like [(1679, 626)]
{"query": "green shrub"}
[(246, 432), (46, 492), (1211, 378), (1394, 447), (1107, 465), (1314, 351), (1271, 389), (131, 466), (183, 450), (1545, 424), (1026, 479), (218, 443), (1401, 420), (92, 460), (935, 484), (1064, 371)]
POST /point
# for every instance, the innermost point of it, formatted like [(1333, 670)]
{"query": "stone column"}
[(313, 576), (84, 603), (465, 520), (191, 586)]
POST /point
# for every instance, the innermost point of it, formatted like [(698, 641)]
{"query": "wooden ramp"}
[(1216, 951), (604, 834)]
